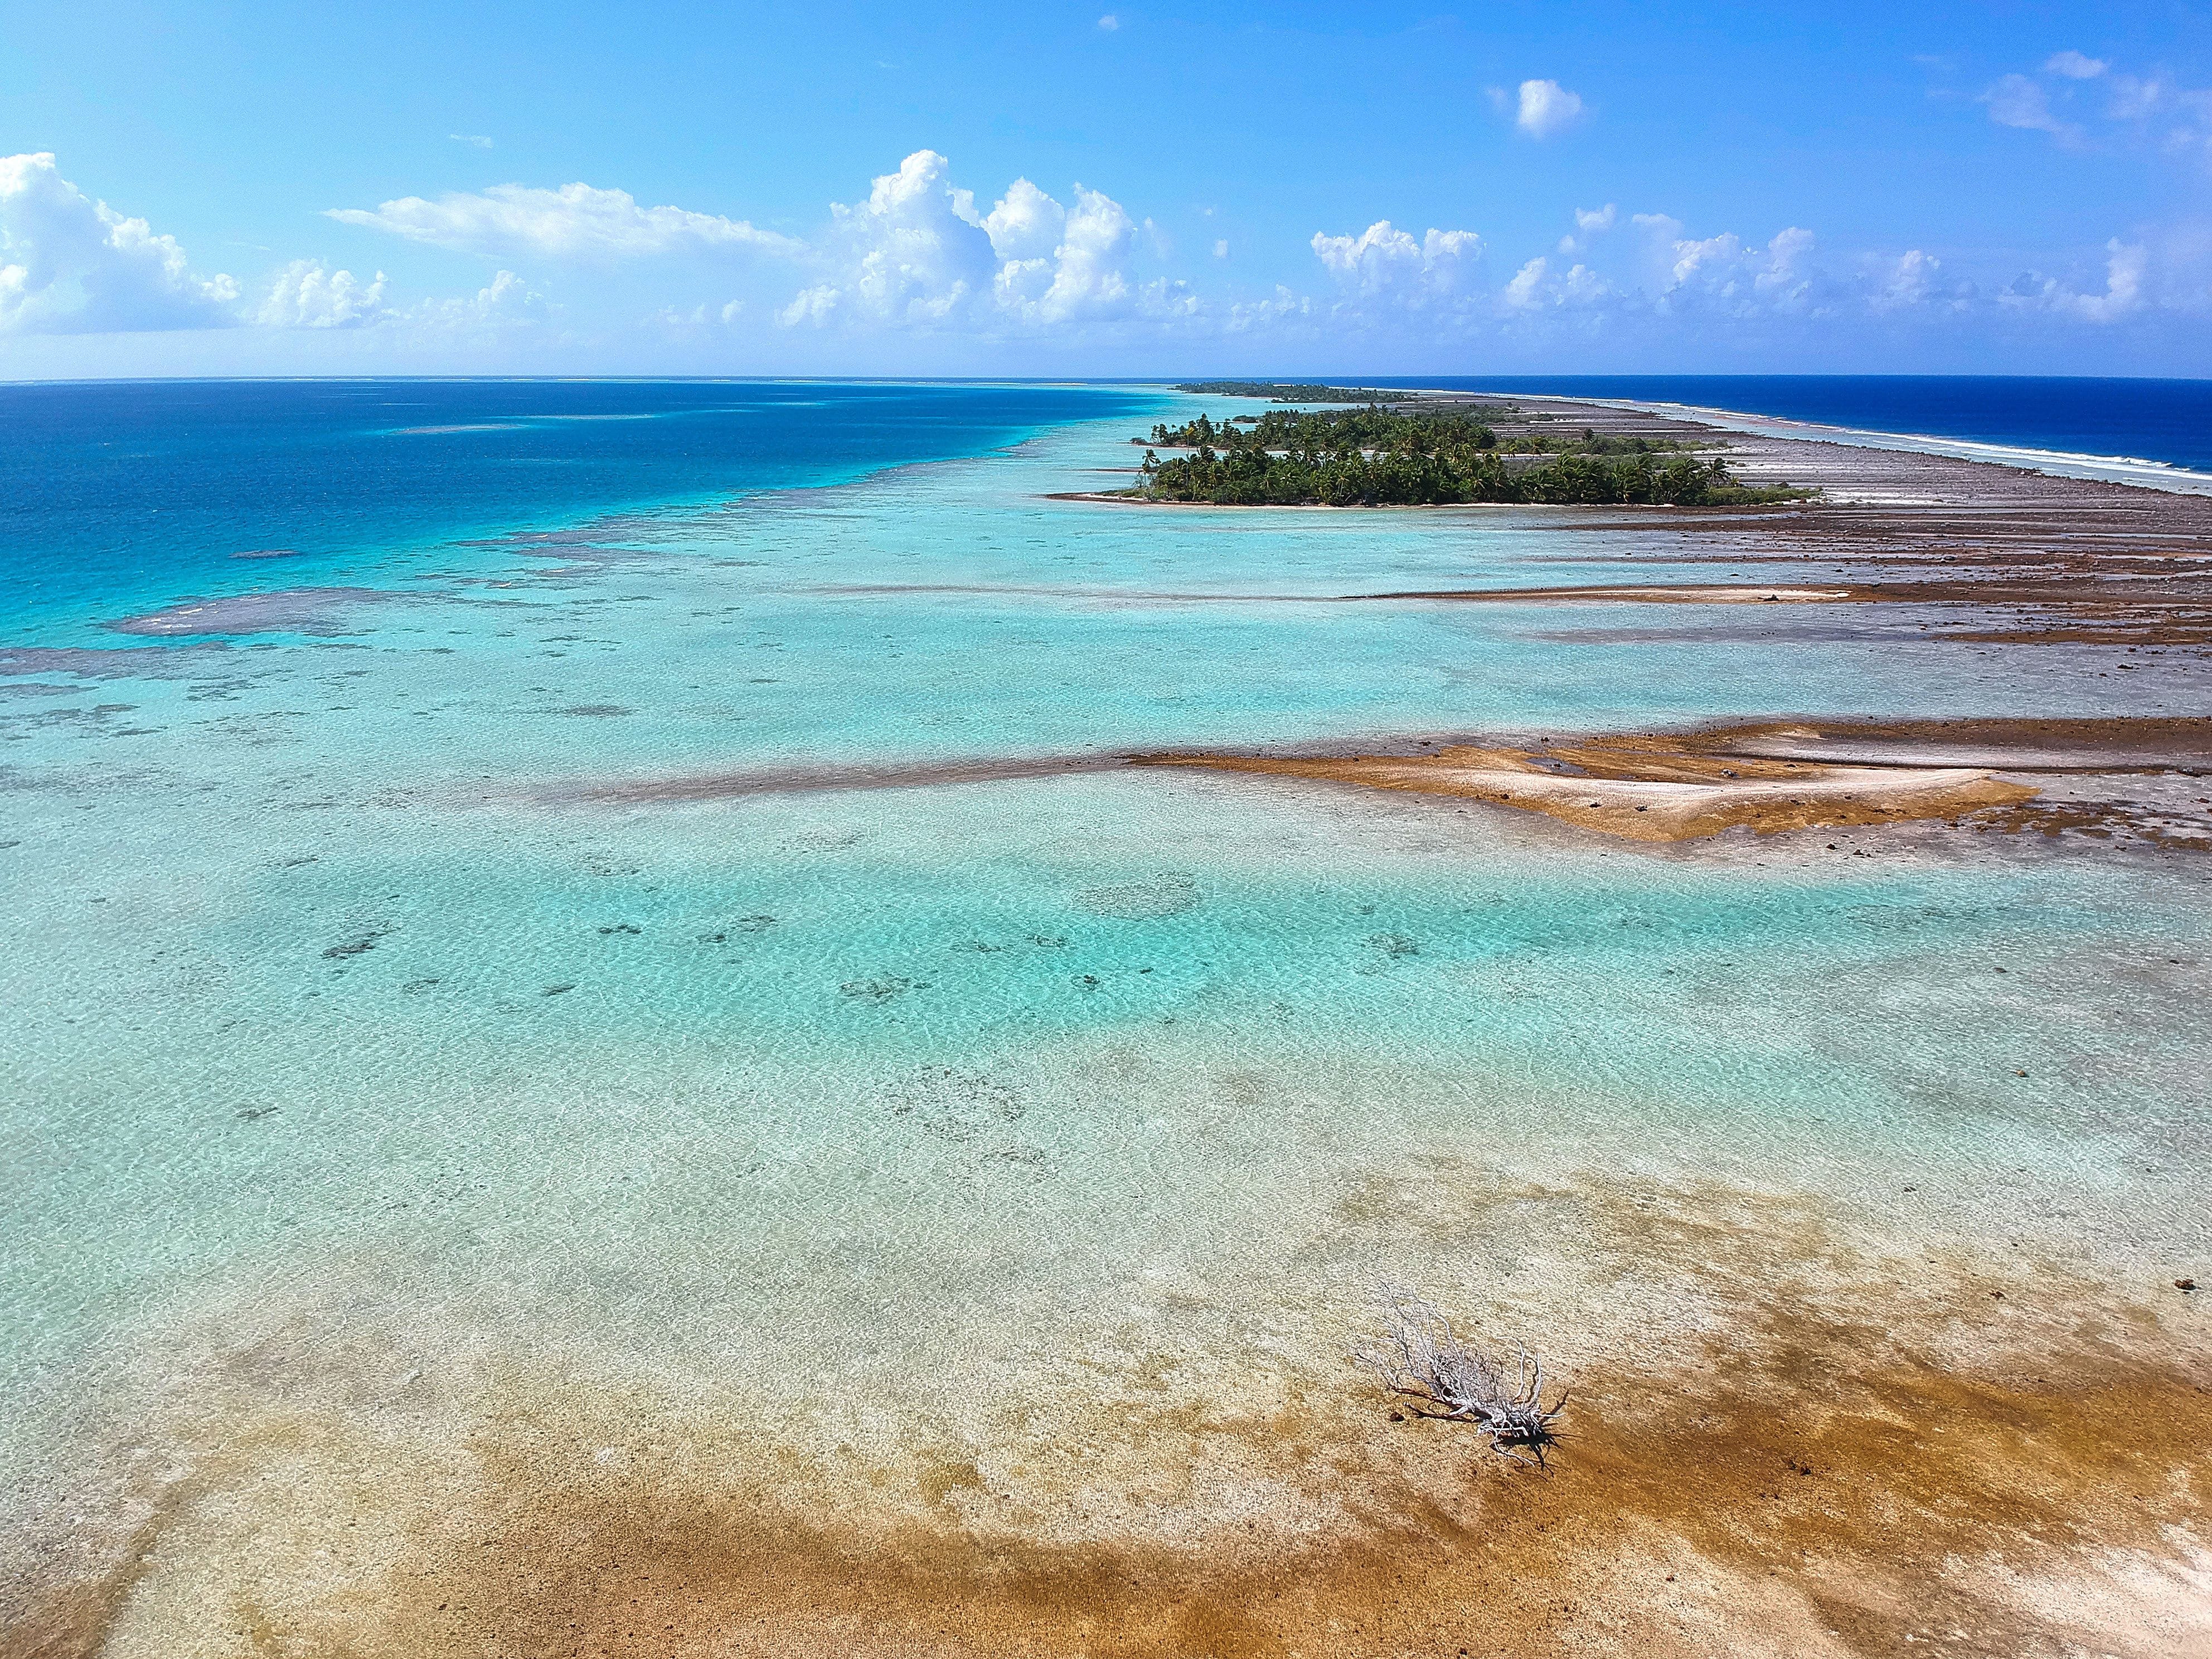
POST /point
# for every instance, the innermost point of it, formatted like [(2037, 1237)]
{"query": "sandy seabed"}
[(1787, 1435), (1799, 1425)]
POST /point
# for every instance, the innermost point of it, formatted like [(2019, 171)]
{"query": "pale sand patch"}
[(2154, 1599), (1830, 1446), (1654, 791), (290, 610)]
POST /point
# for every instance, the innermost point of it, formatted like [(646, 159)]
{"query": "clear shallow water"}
[(343, 1004)]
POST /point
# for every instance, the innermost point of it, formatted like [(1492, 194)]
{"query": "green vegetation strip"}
[(1375, 457)]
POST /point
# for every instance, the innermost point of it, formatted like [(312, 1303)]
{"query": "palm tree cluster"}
[(1375, 457)]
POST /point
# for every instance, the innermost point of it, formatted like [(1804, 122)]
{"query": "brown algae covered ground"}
[(1784, 1435)]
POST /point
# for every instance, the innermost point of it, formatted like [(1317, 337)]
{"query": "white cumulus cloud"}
[(1909, 282), (1786, 279), (506, 301), (574, 222), (1704, 257), (1547, 107), (69, 264), (1384, 260), (1538, 287), (308, 294), (918, 254), (1025, 224), (1726, 275), (2126, 265), (812, 305), (1589, 222), (1092, 272), (1523, 292), (1285, 305)]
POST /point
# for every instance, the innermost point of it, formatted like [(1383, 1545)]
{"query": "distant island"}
[(1434, 456), (1282, 392)]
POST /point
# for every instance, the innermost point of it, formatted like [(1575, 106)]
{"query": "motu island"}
[(1427, 452)]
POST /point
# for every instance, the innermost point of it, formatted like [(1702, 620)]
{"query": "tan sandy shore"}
[(1770, 778), (1651, 790)]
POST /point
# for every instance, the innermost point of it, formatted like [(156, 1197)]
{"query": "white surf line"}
[(2107, 469)]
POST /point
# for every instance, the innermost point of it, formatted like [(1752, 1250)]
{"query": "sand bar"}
[(1767, 778)]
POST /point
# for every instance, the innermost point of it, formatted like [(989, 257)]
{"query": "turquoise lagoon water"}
[(351, 992)]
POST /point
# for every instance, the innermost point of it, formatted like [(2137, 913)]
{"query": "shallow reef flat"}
[(1995, 552), (840, 1072), (1785, 1432)]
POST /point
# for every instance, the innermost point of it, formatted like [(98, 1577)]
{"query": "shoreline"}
[(1998, 551), (1119, 498), (2138, 471), (2126, 471), (2131, 471)]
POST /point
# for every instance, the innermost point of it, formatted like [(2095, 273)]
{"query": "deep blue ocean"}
[(143, 492), (2168, 421)]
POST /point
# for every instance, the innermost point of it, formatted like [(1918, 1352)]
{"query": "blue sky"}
[(1062, 189)]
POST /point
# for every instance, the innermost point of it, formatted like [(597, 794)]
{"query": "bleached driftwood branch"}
[(1420, 1356)]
